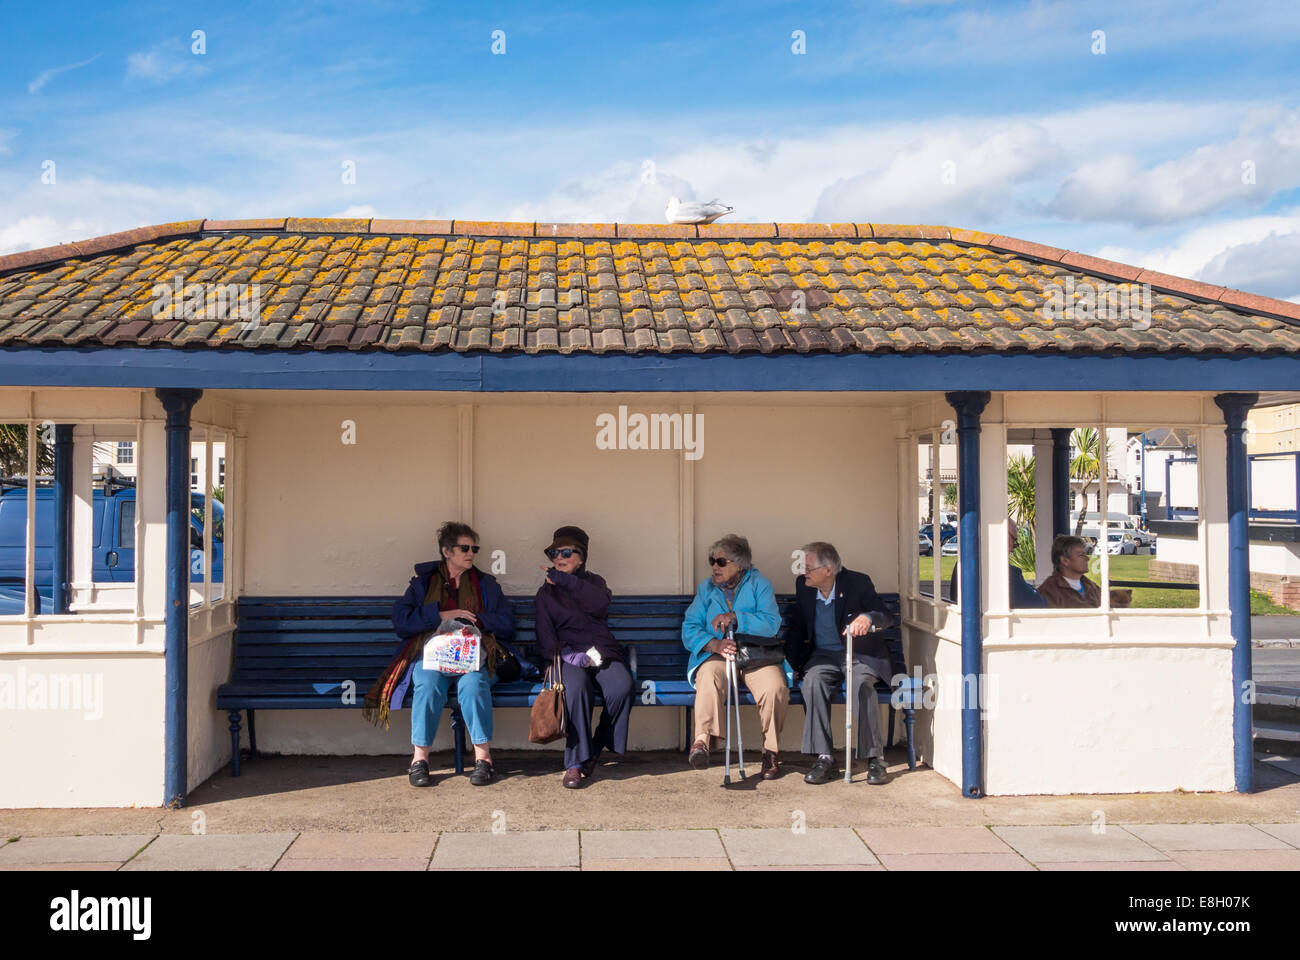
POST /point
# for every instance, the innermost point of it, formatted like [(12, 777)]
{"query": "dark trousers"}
[(823, 676), (615, 682)]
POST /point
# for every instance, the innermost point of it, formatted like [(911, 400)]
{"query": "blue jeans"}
[(473, 692)]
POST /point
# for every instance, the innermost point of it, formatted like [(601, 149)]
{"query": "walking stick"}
[(848, 706), (740, 736), (726, 767), (732, 687)]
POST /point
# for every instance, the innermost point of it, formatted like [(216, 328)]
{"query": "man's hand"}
[(722, 621), (722, 647), (860, 625)]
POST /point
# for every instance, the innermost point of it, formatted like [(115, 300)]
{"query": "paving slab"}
[(352, 863), (931, 840), (362, 846), (1238, 859), (655, 863), (1287, 832), (1204, 836), (213, 851), (650, 844), (85, 849), (1116, 865), (72, 867), (955, 861), (815, 866), (1076, 842), (774, 846), (523, 849)]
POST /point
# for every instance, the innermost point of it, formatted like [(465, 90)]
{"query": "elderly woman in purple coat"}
[(571, 608)]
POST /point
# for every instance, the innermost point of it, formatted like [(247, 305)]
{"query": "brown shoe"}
[(699, 757), (771, 767), (573, 778)]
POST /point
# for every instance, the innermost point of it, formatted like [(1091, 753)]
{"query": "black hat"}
[(569, 537)]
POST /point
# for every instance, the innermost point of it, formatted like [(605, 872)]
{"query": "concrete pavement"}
[(653, 813)]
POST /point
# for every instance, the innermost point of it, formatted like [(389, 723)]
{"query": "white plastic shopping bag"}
[(455, 648)]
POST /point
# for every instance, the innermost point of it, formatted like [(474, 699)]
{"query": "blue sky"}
[(1177, 148)]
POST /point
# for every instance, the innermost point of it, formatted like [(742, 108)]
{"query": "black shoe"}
[(588, 768), (822, 772), (876, 772), (419, 774), (483, 773)]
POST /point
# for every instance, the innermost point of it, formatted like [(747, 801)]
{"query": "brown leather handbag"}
[(547, 720)]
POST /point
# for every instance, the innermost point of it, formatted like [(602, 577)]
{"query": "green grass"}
[(1133, 567)]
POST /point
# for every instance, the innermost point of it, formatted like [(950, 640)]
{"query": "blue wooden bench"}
[(318, 653)]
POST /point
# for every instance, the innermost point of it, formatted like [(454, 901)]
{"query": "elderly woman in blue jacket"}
[(738, 596)]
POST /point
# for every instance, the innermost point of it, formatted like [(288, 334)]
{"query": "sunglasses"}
[(464, 549), (718, 561), (565, 552)]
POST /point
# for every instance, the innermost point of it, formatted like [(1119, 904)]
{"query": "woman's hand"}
[(458, 615), (722, 621), (547, 570), (722, 646)]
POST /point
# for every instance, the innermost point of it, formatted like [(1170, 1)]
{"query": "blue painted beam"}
[(1235, 406), (61, 551), (245, 368), (969, 406), (1060, 480), (178, 404)]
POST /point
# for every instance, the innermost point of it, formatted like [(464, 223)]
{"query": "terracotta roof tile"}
[(395, 285)]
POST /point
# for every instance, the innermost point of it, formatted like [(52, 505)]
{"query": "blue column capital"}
[(178, 402), (968, 404), (1235, 406)]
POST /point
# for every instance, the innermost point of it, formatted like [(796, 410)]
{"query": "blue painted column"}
[(1060, 480), (969, 405), (1235, 406), (62, 546), (178, 404)]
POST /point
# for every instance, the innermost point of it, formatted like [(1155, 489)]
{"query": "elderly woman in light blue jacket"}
[(735, 595)]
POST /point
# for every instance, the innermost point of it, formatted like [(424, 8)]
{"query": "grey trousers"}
[(823, 676)]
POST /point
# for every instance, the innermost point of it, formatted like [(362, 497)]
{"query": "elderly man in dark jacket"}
[(828, 600)]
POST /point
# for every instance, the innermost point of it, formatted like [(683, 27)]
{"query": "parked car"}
[(112, 545), (946, 532), (949, 548), (1119, 542), (926, 545)]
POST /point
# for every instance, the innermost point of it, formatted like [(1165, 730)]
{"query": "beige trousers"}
[(768, 686)]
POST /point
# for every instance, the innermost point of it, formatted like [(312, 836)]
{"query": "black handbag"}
[(752, 651)]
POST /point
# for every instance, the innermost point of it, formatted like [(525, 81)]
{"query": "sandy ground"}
[(647, 791)]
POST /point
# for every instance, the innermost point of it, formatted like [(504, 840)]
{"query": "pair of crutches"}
[(733, 696)]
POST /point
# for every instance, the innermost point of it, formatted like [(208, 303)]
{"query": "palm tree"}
[(1020, 491), (1085, 465), (13, 451), (1022, 507), (950, 495)]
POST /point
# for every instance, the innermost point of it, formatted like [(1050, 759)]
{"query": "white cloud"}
[(1256, 254), (162, 62), (1207, 179), (363, 211), (45, 76)]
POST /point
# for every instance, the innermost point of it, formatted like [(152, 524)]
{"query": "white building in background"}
[(121, 455)]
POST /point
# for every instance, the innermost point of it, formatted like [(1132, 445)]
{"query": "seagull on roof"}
[(693, 212)]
